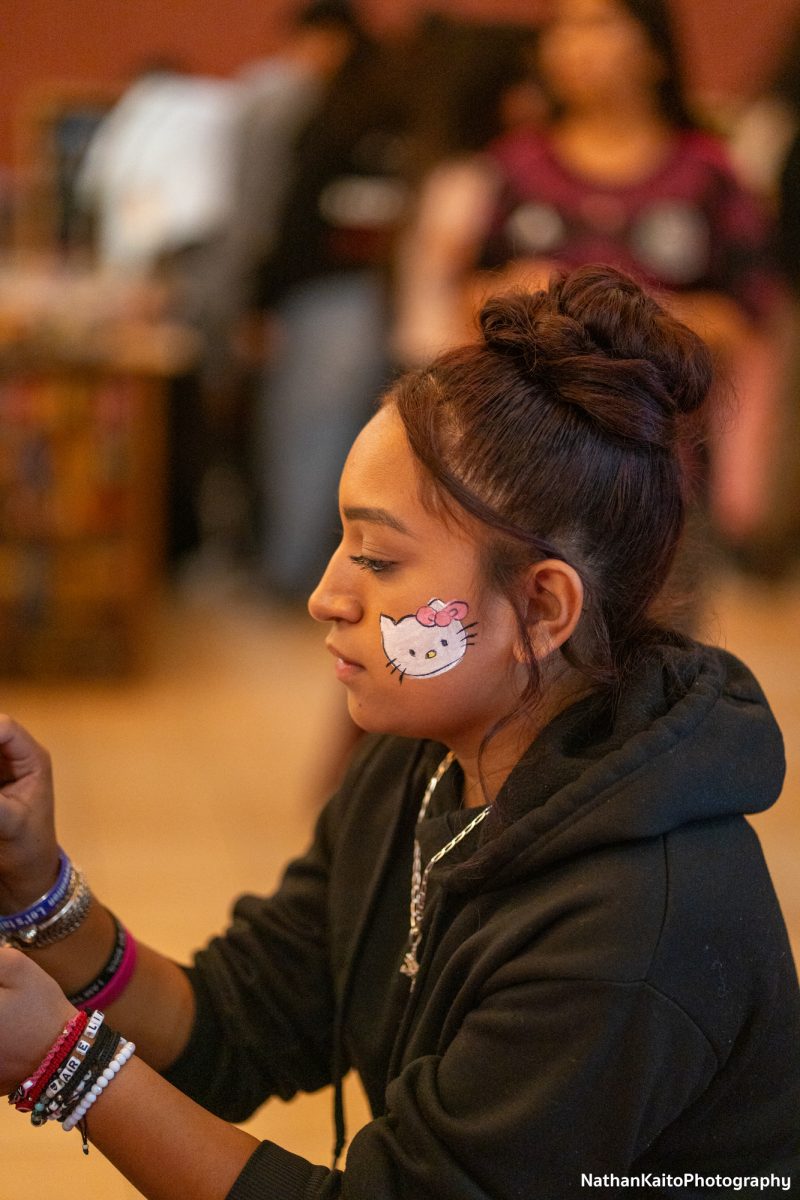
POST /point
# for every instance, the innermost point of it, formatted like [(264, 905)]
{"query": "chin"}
[(389, 720), (378, 722)]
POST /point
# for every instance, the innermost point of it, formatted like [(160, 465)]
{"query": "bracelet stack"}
[(54, 916), (87, 1054), (81, 1063)]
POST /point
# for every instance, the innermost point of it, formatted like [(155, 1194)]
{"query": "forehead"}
[(381, 469), (382, 472)]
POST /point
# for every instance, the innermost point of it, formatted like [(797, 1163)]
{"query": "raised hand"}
[(28, 849)]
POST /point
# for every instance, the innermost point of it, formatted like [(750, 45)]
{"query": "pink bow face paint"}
[(428, 642)]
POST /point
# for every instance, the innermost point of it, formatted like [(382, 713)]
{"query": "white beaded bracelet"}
[(114, 1067)]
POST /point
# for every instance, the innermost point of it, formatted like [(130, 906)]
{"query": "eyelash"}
[(375, 565)]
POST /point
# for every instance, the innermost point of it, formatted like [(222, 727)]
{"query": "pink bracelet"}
[(119, 981)]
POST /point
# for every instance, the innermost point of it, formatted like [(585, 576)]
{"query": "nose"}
[(431, 654), (331, 601)]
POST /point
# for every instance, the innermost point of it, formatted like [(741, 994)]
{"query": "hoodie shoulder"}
[(692, 739)]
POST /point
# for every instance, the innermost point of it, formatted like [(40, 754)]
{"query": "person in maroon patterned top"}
[(619, 174)]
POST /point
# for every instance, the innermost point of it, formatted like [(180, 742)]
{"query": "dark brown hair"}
[(561, 432)]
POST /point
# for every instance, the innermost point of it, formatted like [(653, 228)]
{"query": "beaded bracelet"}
[(79, 1066), (114, 1067), (46, 905), (69, 1072), (61, 1098), (107, 1045)]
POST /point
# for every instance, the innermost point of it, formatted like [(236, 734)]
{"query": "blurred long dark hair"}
[(655, 17), (463, 69)]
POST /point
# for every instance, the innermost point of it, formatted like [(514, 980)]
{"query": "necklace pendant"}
[(410, 965)]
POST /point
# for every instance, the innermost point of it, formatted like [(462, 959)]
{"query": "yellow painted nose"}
[(431, 654)]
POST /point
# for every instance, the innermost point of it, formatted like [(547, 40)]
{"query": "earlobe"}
[(555, 597)]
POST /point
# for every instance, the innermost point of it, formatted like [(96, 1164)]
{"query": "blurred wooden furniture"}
[(83, 374)]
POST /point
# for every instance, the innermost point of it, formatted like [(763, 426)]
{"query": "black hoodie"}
[(606, 988)]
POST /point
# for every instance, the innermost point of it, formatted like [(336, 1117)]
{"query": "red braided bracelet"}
[(27, 1093)]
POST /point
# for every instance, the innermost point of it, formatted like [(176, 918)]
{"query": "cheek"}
[(479, 685)]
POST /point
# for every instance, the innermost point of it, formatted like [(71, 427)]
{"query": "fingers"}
[(21, 754), (26, 796)]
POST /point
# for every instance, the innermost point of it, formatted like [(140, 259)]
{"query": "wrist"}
[(81, 956), (23, 883)]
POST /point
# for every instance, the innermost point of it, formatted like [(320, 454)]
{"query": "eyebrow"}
[(379, 516)]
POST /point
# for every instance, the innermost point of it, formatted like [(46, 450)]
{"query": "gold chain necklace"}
[(419, 878)]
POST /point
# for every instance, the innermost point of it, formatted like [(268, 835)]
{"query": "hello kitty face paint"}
[(428, 642)]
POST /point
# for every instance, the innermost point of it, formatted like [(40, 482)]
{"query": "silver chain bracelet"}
[(64, 922)]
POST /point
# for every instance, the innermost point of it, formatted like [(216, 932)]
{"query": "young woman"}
[(534, 917)]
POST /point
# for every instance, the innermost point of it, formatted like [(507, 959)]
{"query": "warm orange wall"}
[(729, 43)]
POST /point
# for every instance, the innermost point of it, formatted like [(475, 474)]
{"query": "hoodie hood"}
[(692, 739)]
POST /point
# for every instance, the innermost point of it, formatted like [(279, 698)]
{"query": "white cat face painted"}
[(428, 642)]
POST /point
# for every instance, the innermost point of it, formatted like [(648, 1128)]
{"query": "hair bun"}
[(597, 341)]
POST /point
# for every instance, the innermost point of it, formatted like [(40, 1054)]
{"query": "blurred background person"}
[(766, 141), (621, 174), (156, 180), (324, 288), (209, 271), (476, 80), (156, 173), (763, 133), (277, 97)]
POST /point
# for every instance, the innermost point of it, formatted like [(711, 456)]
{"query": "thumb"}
[(21, 754)]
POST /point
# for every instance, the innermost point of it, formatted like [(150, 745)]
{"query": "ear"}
[(555, 598), (386, 621)]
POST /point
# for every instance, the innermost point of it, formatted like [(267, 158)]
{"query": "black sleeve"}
[(264, 996), (264, 991), (518, 1104)]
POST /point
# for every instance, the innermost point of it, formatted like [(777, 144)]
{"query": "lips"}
[(346, 668)]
